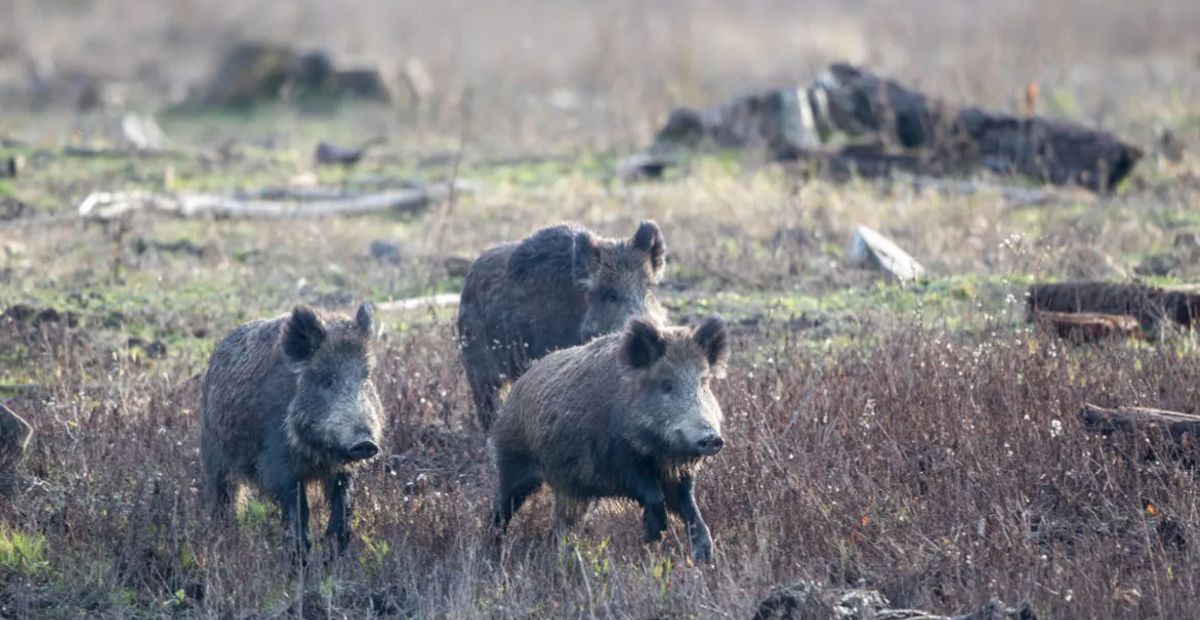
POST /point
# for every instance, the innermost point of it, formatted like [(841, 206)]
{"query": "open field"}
[(919, 440)]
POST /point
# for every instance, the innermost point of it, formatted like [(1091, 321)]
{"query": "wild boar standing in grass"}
[(288, 401), (558, 288), (628, 415)]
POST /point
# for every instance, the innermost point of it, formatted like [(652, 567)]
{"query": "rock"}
[(385, 250), (644, 166), (328, 153), (870, 248), (805, 601), (142, 132), (1158, 265)]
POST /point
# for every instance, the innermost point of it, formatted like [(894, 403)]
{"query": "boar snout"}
[(710, 444), (694, 440)]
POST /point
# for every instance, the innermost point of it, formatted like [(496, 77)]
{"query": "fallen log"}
[(1178, 430), (807, 601), (1148, 304), (1106, 421), (112, 205), (1090, 326)]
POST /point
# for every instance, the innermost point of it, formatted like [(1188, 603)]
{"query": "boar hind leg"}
[(218, 489), (518, 479), (681, 500), (337, 490)]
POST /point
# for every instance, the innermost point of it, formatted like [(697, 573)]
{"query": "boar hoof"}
[(702, 550), (338, 540)]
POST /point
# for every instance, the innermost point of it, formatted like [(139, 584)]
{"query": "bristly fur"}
[(627, 415), (712, 336), (540, 256), (642, 344), (558, 288), (302, 335), (649, 238), (286, 402)]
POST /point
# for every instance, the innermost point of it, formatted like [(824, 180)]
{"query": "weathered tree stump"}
[(1174, 436), (905, 130), (855, 101), (1149, 305)]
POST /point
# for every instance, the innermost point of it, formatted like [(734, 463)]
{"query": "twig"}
[(106, 205)]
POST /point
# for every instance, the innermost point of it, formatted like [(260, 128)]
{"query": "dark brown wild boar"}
[(629, 415), (288, 401), (558, 288)]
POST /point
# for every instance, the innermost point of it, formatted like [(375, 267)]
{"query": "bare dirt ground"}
[(919, 440)]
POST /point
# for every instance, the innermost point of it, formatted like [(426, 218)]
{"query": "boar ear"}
[(364, 319), (584, 249), (713, 338), (302, 336), (649, 239), (642, 344)]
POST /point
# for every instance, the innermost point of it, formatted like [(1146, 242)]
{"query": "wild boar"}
[(288, 401), (558, 288), (628, 415)]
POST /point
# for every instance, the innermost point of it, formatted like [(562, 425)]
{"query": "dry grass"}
[(939, 468)]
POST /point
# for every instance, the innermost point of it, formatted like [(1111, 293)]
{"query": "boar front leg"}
[(337, 489), (293, 502), (681, 499), (654, 509)]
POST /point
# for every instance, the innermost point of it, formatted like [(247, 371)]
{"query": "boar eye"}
[(668, 386), (327, 382), (609, 296)]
